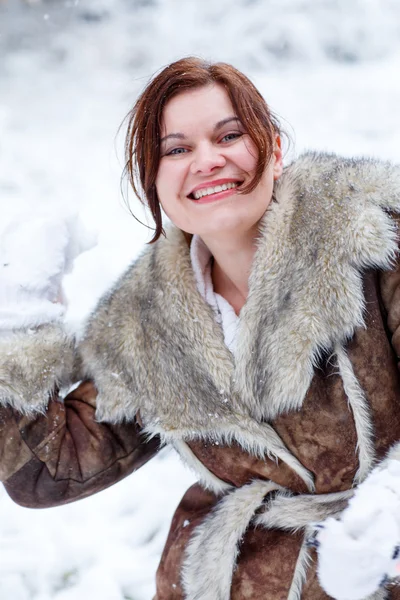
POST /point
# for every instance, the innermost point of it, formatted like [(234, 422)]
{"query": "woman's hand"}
[(360, 552), (35, 254)]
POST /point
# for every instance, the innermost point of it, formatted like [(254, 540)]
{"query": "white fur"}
[(258, 439), (206, 478), (300, 573), (33, 365), (212, 552), (168, 358), (325, 227), (292, 513), (361, 414)]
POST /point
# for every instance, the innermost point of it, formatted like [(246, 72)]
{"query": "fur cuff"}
[(33, 363)]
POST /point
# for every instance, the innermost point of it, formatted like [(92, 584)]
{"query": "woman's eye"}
[(231, 136), (175, 151)]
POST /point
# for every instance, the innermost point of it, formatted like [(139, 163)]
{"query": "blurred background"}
[(70, 70)]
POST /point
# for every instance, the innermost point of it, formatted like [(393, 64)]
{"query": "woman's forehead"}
[(203, 106)]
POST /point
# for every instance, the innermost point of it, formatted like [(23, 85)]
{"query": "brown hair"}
[(142, 143)]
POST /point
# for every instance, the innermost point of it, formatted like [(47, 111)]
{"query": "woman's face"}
[(205, 154)]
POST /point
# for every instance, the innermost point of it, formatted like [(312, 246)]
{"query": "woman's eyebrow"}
[(181, 136), (225, 121), (176, 136)]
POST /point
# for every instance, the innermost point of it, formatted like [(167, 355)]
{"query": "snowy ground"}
[(68, 74)]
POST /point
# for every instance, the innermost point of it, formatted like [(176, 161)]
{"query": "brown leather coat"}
[(279, 435)]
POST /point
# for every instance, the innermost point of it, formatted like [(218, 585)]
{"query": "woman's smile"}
[(214, 190)]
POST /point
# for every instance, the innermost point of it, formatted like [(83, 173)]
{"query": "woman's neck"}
[(233, 258)]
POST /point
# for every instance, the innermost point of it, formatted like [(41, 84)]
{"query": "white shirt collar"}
[(201, 256)]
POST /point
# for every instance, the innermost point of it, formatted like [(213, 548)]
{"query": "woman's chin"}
[(225, 229)]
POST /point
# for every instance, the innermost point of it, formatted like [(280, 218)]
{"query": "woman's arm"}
[(64, 455), (51, 452)]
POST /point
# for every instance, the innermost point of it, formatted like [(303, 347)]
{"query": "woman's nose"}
[(206, 158)]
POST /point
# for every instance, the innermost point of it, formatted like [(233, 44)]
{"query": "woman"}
[(258, 337)]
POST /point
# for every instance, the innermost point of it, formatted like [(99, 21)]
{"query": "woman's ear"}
[(277, 158)]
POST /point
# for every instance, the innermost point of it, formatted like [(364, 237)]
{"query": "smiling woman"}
[(244, 110), (257, 334), (214, 150), (233, 141)]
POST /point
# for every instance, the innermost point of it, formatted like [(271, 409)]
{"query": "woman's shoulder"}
[(340, 208), (143, 290), (339, 178)]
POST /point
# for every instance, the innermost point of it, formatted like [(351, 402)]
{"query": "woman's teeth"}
[(214, 190)]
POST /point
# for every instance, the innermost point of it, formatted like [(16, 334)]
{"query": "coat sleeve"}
[(65, 454)]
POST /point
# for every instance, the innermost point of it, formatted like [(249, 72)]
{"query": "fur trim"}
[(212, 553), (259, 439), (206, 478), (213, 550), (153, 343), (300, 572), (361, 414), (382, 594), (326, 226), (33, 364), (295, 512)]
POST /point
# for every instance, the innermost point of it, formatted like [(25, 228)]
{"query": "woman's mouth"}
[(214, 192)]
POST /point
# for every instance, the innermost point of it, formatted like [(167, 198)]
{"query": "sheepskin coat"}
[(278, 434)]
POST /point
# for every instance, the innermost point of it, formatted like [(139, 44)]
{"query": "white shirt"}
[(201, 256)]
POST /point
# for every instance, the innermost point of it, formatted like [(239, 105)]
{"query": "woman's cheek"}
[(169, 180), (172, 210)]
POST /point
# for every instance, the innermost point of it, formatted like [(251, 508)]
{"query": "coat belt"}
[(211, 555)]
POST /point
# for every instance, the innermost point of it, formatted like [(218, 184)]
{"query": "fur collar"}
[(153, 344)]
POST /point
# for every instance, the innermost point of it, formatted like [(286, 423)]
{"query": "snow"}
[(30, 281), (69, 73), (107, 546), (363, 545)]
